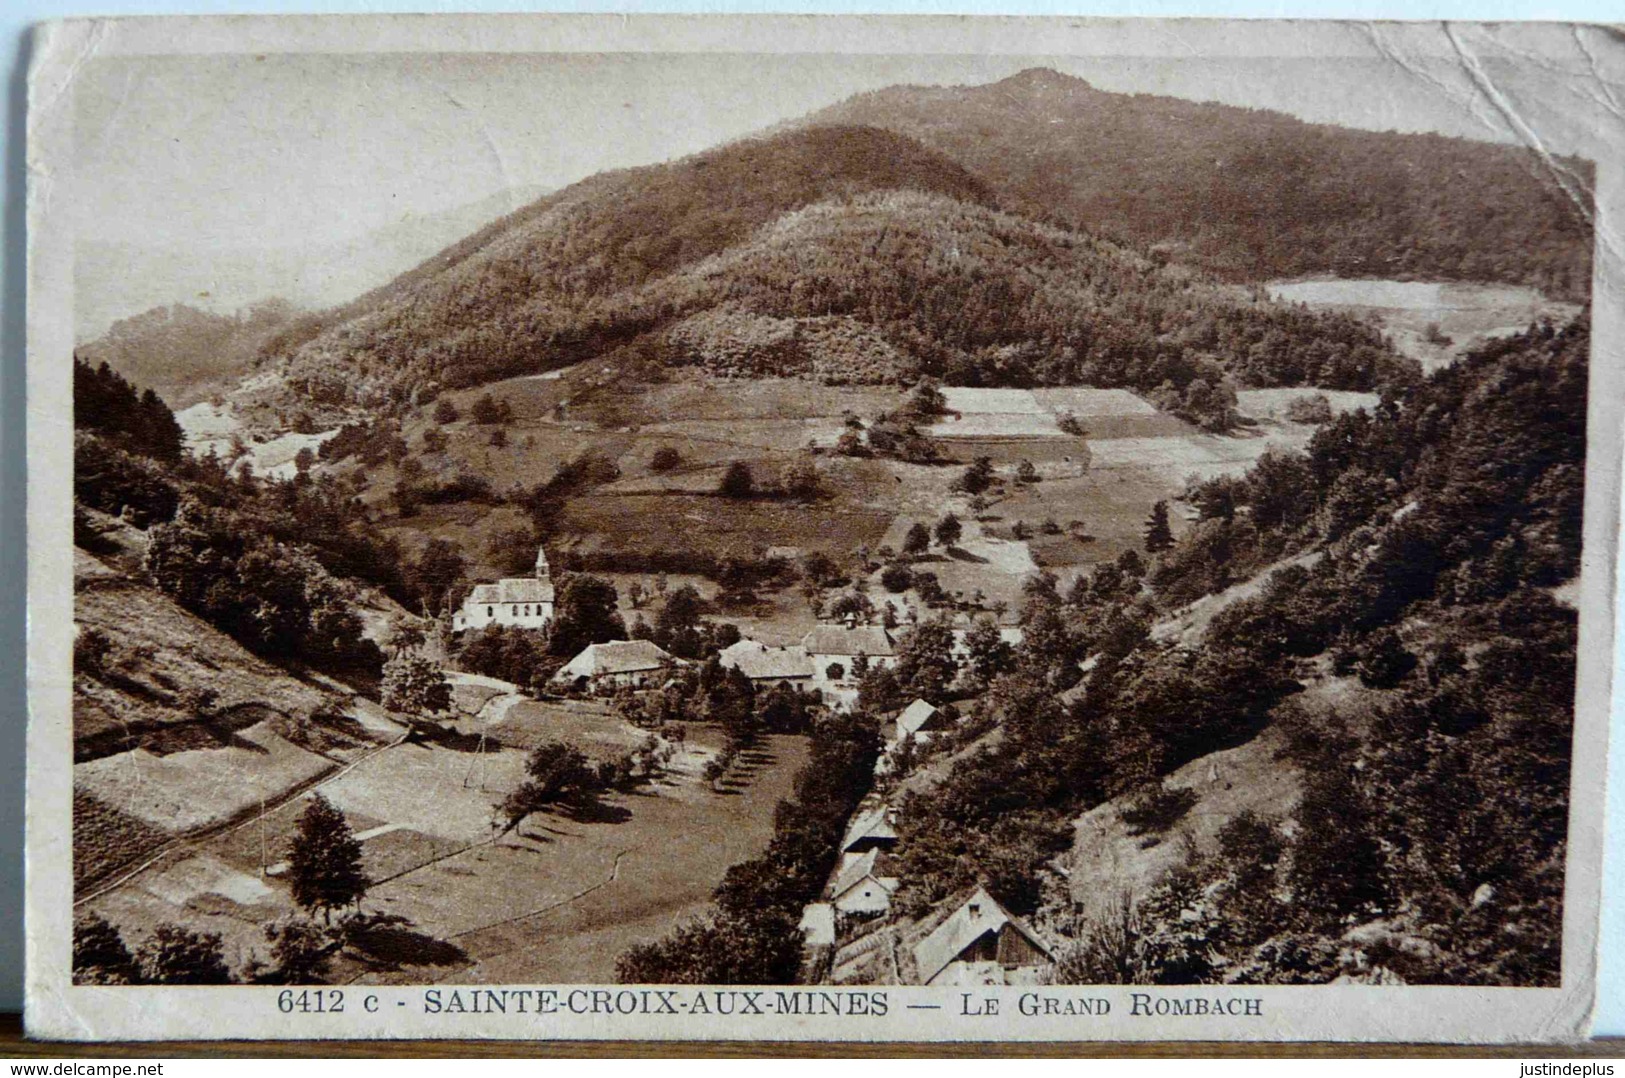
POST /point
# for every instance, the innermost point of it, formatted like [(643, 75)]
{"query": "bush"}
[(665, 459), (1383, 661), (1153, 813), (1311, 409), (487, 410), (176, 955), (737, 481), (897, 578)]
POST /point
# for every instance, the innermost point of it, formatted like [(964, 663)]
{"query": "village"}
[(970, 939), (693, 699)]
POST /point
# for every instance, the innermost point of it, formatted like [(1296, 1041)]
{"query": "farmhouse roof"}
[(870, 640), (914, 718), (872, 825), (522, 589), (975, 917), (758, 662), (616, 657), (854, 869)]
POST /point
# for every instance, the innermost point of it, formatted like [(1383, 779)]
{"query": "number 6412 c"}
[(310, 1001)]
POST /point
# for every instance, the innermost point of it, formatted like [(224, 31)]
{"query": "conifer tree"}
[(1158, 535)]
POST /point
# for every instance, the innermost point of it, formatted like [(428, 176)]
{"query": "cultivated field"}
[(1467, 314), (555, 900), (1272, 404)]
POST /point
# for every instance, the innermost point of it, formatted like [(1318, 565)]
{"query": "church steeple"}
[(542, 571)]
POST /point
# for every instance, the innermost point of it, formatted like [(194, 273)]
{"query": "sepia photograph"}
[(920, 517)]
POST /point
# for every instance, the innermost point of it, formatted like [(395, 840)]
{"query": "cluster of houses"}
[(830, 658), (967, 939)]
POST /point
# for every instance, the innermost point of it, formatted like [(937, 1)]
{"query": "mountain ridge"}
[(1202, 177)]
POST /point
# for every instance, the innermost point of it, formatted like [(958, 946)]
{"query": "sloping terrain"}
[(847, 254), (1250, 193), (157, 657), (523, 294)]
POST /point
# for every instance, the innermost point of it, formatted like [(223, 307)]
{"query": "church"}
[(524, 602)]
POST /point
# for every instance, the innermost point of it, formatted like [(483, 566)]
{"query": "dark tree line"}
[(134, 420)]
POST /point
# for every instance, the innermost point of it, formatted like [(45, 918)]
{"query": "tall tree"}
[(1158, 535), (586, 614), (414, 685), (925, 660), (324, 860)]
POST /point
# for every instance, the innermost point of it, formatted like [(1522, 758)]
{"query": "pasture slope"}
[(1465, 315), (557, 899)]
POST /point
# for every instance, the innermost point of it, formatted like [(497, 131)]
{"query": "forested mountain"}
[(182, 353), (1249, 193), (520, 294), (1435, 804), (848, 254)]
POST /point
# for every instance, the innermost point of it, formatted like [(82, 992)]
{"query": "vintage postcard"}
[(820, 528)]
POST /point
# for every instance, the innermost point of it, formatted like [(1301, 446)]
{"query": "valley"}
[(759, 567)]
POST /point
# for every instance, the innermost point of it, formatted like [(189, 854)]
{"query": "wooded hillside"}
[(1252, 194)]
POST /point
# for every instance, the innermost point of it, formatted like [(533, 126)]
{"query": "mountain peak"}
[(1044, 79)]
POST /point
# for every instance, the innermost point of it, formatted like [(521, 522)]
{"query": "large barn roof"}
[(870, 640), (758, 662), (616, 657), (975, 917)]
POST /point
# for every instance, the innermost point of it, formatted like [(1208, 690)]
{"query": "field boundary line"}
[(614, 874), (226, 827)]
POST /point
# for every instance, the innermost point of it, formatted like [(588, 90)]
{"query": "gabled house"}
[(919, 721), (633, 663), (840, 645), (870, 829), (766, 666), (981, 943), (858, 885)]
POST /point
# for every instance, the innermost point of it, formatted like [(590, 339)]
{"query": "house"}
[(521, 602), (840, 645), (869, 829), (858, 885), (766, 666), (918, 722), (981, 942), (633, 663)]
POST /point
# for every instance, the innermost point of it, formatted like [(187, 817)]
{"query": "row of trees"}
[(753, 935)]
